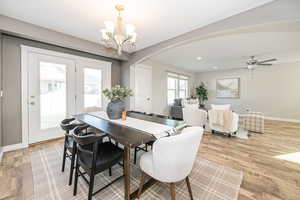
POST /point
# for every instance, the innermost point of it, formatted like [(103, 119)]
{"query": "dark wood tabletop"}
[(126, 135)]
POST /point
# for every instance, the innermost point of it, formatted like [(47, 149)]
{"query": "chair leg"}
[(172, 190), (187, 180), (142, 181), (76, 178), (72, 165), (110, 172), (64, 156), (91, 186), (135, 155)]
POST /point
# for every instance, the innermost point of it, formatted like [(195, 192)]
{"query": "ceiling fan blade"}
[(265, 64), (269, 60)]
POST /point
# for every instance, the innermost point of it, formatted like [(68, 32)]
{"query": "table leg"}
[(127, 172)]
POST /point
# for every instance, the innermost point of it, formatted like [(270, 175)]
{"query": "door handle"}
[(32, 103)]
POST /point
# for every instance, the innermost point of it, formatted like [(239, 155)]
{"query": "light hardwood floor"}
[(265, 177)]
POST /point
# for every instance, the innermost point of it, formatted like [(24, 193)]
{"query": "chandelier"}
[(118, 35)]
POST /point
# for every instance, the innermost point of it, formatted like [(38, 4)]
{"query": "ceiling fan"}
[(253, 63)]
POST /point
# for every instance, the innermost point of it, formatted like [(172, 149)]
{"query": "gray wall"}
[(33, 32), (11, 104), (273, 90), (125, 81)]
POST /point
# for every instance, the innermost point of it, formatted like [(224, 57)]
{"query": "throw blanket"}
[(155, 129), (222, 118)]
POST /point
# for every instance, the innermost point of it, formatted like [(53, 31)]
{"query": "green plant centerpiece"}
[(202, 94), (116, 95)]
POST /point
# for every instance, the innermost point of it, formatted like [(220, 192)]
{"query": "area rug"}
[(209, 181)]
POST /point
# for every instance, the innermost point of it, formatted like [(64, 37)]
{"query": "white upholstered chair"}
[(234, 122), (171, 159), (193, 116)]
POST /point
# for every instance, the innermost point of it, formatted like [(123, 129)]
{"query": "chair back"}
[(69, 124), (83, 138), (87, 145), (178, 102), (227, 122), (194, 116), (173, 157)]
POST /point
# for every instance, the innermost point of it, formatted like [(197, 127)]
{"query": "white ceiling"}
[(155, 20), (232, 51)]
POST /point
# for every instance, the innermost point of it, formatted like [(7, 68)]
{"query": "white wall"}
[(159, 85), (273, 90)]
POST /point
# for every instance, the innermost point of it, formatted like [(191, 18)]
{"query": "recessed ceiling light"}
[(199, 58), (215, 67)]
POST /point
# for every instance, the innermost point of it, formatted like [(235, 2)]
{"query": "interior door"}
[(143, 88), (51, 95)]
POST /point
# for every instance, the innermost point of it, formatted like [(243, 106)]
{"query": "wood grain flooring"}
[(265, 177)]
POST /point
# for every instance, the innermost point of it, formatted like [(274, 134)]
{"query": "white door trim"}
[(25, 50), (24, 88)]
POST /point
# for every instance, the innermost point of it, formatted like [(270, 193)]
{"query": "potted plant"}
[(202, 94), (116, 95)]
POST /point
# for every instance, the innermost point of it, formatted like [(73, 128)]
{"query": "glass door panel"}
[(92, 88), (53, 94)]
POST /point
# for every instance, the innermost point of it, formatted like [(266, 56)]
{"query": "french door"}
[(59, 87)]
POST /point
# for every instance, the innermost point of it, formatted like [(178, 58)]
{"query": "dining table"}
[(129, 137)]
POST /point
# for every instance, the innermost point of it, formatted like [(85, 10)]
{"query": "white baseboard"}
[(13, 147), (277, 119), (283, 119)]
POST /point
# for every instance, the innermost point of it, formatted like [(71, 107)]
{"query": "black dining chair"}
[(94, 155), (145, 146), (69, 148)]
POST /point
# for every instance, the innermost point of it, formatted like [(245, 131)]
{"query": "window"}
[(92, 88), (177, 87)]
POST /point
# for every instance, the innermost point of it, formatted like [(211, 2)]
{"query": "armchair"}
[(176, 109), (171, 165), (232, 126)]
